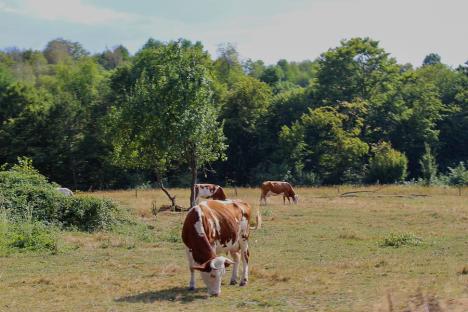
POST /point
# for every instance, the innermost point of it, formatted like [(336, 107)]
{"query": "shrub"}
[(26, 235), (458, 176), (26, 194), (399, 240), (387, 165), (428, 166)]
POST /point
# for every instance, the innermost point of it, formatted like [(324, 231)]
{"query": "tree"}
[(358, 68), (60, 50), (246, 104), (320, 143), (111, 59), (428, 165), (431, 59), (387, 165), (168, 117), (227, 66)]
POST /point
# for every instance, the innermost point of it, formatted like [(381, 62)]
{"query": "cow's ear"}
[(228, 262), (221, 262)]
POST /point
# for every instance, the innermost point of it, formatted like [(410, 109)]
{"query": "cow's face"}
[(214, 274), (296, 199)]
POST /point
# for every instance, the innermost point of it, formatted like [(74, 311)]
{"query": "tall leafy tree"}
[(246, 105), (169, 116), (357, 68), (319, 142)]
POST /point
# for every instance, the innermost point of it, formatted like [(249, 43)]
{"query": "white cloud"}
[(73, 11), (407, 29)]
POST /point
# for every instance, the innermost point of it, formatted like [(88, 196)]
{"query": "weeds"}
[(399, 240), (26, 236)]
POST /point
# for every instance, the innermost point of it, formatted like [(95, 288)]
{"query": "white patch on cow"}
[(228, 246), (244, 225), (206, 192), (212, 226), (226, 201), (217, 226), (199, 224)]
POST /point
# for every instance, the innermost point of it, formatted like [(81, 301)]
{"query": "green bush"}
[(26, 194), (387, 165), (399, 240), (26, 235), (458, 176)]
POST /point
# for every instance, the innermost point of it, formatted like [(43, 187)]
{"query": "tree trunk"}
[(161, 185), (193, 169)]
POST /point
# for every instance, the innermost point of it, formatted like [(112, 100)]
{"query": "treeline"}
[(353, 115)]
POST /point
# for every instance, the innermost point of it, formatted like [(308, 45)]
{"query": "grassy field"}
[(328, 253)]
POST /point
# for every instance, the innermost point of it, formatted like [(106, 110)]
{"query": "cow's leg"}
[(284, 200), (235, 268), (244, 243), (262, 197), (191, 263)]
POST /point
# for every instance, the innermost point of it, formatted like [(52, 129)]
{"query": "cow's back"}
[(226, 219)]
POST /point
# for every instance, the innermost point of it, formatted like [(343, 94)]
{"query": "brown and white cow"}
[(211, 191), (213, 227), (272, 188)]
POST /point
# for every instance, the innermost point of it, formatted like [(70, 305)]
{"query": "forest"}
[(174, 114)]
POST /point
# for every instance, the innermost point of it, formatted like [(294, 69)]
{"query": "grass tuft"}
[(400, 240)]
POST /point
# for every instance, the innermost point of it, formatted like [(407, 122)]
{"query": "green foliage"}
[(246, 105), (387, 165), (356, 69), (168, 116), (431, 59), (458, 176), (60, 50), (59, 107), (428, 166), (27, 236), (26, 194), (320, 143), (400, 240)]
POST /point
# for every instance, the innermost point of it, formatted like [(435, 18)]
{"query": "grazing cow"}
[(213, 227), (65, 191), (272, 188), (212, 191)]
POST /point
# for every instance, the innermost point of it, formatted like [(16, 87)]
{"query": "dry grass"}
[(320, 255)]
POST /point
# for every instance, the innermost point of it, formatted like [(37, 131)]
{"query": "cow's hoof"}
[(191, 288), (233, 283), (243, 283)]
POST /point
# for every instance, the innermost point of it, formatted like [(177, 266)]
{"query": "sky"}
[(260, 29)]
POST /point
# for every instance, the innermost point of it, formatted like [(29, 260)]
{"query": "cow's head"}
[(212, 273), (296, 199)]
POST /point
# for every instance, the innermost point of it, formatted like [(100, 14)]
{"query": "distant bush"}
[(387, 165), (458, 176), (26, 194), (399, 240)]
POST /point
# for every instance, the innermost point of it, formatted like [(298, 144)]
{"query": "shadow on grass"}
[(174, 294)]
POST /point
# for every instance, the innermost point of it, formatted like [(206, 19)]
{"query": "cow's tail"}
[(258, 220)]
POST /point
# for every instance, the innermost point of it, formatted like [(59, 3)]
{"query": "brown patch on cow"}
[(246, 256), (200, 246), (219, 194)]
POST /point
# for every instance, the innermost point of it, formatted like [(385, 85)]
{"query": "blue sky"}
[(261, 29)]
